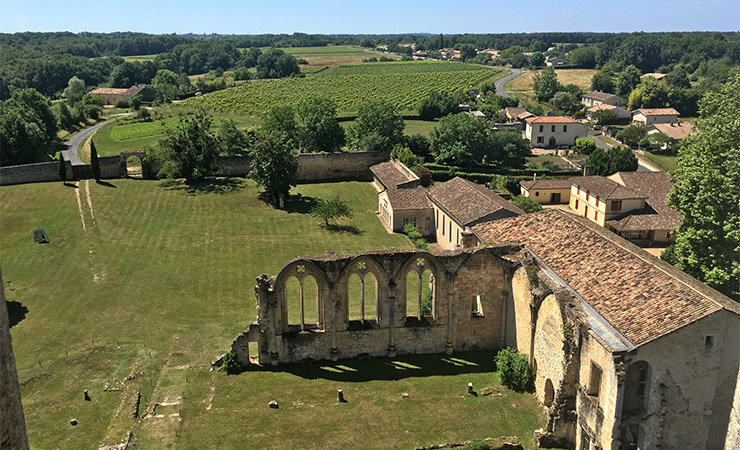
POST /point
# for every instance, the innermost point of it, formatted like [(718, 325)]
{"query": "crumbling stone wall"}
[(458, 320), (12, 421)]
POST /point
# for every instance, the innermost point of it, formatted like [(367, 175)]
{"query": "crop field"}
[(403, 67), (348, 91), (333, 55), (144, 284), (523, 86)]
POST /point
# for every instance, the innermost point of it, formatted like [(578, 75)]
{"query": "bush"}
[(421, 244), (427, 302), (477, 445), (231, 365), (122, 104), (516, 373), (526, 204)]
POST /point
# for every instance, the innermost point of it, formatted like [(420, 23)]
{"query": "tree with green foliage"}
[(62, 167), (602, 81), (707, 192), (607, 162), (546, 84), (380, 118), (281, 119), (583, 57), (437, 104), (467, 51), (566, 102), (317, 128), (274, 165), (537, 59), (419, 145), (526, 204), (275, 63), (75, 89), (333, 208), (627, 80), (460, 140), (234, 142), (94, 161), (650, 93), (507, 148), (514, 369), (605, 117), (584, 146), (632, 135), (405, 156), (27, 127), (189, 148), (165, 83)]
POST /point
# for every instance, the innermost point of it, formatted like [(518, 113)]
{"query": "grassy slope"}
[(159, 285)]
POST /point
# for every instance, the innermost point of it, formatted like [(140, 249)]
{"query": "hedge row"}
[(488, 171)]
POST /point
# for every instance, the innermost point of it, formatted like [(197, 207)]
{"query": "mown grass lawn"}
[(666, 162), (160, 281)]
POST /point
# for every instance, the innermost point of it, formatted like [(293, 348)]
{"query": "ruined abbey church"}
[(628, 352)]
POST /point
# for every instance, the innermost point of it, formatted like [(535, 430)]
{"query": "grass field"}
[(523, 86), (403, 85), (152, 283), (666, 162), (401, 67), (332, 55)]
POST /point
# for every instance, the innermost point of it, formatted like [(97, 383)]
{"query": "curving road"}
[(72, 146), (500, 91)]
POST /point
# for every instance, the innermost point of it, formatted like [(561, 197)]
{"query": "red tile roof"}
[(675, 131), (657, 112), (605, 188), (639, 295), (119, 91), (654, 186), (467, 201), (551, 119)]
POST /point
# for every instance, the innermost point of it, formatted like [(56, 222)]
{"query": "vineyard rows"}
[(404, 67), (404, 90)]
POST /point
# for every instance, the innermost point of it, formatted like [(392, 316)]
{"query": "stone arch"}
[(419, 262), (125, 169), (637, 383), (549, 393), (362, 266), (301, 269)]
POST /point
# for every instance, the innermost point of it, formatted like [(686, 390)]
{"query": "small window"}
[(477, 307), (565, 128), (578, 190), (709, 341), (596, 215), (450, 234), (587, 195), (542, 128), (597, 201), (594, 382), (576, 204), (616, 205), (540, 139), (443, 224), (552, 129), (536, 193)]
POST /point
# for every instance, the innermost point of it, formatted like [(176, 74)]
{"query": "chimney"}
[(535, 176), (469, 240), (586, 171)]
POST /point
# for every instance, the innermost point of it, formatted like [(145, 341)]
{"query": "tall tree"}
[(188, 149), (317, 127), (602, 81), (461, 140), (166, 83), (546, 84), (75, 89), (62, 166), (234, 142), (627, 80), (707, 192), (274, 165), (94, 161), (379, 118)]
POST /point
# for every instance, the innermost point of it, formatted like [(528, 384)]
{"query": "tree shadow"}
[(300, 204), (218, 186), (384, 368), (16, 312), (70, 185), (106, 184), (342, 228)]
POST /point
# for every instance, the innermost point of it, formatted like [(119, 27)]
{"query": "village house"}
[(555, 61), (554, 131), (655, 75), (514, 114), (460, 203), (596, 98), (633, 205), (547, 192), (649, 116), (401, 199), (620, 112), (676, 131), (111, 95)]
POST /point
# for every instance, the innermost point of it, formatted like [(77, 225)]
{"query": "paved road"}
[(72, 146), (500, 91)]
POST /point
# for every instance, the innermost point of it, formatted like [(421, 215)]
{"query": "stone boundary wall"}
[(311, 167)]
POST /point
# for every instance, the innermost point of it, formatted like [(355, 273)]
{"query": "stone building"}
[(649, 116), (628, 351), (401, 199), (547, 192), (111, 95), (598, 98), (554, 131)]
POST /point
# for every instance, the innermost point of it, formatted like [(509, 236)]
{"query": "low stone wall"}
[(311, 167)]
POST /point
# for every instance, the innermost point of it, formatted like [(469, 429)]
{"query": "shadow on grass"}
[(16, 312), (383, 368), (106, 184), (206, 186), (300, 204), (69, 185), (342, 228)]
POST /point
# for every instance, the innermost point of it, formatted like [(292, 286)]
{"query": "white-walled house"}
[(554, 131)]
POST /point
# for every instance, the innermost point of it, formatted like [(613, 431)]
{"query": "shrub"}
[(231, 365), (526, 204), (421, 244), (516, 373), (426, 303), (122, 104), (477, 445)]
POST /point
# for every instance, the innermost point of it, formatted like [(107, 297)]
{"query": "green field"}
[(157, 285), (403, 89), (402, 67), (332, 55), (666, 162)]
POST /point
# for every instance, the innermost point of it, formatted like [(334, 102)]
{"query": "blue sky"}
[(378, 16)]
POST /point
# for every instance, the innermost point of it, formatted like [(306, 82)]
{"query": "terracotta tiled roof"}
[(602, 96), (389, 174), (108, 91), (605, 188), (675, 131), (642, 297), (603, 106), (547, 184), (654, 186), (467, 201), (409, 198), (551, 119), (656, 75), (657, 111)]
